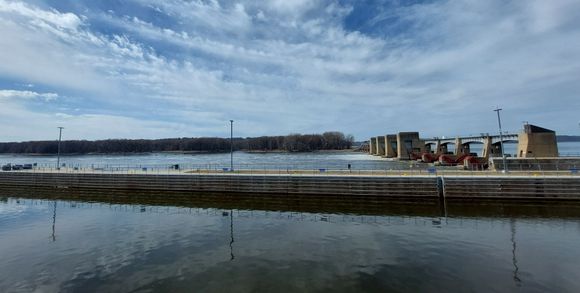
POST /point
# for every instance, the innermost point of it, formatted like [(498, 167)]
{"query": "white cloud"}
[(51, 17), (294, 8), (16, 94), (295, 66), (42, 126)]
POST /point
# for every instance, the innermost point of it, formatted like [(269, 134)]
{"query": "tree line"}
[(291, 143), (568, 138)]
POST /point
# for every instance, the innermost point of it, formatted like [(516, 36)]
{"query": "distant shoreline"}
[(177, 152), (568, 138)]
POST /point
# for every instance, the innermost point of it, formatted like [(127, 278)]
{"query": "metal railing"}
[(407, 169)]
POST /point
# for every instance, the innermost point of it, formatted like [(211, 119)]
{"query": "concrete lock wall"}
[(283, 185), (364, 188)]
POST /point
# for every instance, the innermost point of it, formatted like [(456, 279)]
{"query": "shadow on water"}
[(370, 205)]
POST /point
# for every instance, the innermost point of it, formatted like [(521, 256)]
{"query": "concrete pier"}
[(391, 146), (380, 146), (407, 143), (373, 146)]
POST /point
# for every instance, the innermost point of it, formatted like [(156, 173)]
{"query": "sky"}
[(176, 68)]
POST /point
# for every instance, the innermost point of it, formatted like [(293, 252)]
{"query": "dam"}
[(532, 142)]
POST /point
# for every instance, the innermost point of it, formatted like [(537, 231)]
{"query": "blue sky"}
[(152, 69)]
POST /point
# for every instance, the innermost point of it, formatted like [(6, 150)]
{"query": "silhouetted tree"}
[(293, 143)]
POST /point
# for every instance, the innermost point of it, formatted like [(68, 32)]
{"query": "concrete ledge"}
[(361, 187)]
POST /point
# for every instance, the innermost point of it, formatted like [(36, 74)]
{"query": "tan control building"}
[(537, 142)]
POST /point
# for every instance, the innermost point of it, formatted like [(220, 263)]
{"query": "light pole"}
[(60, 128), (505, 167), (231, 145)]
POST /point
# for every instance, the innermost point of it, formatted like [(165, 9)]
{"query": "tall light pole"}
[(505, 167), (231, 145), (60, 128)]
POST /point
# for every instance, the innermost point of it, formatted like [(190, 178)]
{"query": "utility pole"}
[(231, 145), (505, 167), (60, 128)]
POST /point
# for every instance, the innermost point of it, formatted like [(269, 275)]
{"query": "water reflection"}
[(370, 205), (517, 279), (232, 234), (54, 222), (123, 242)]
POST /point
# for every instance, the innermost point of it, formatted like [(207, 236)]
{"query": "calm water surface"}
[(74, 246)]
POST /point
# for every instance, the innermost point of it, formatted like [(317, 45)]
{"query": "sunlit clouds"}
[(141, 68)]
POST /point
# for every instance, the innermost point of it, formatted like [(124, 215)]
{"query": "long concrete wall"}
[(271, 184), (550, 188), (361, 187)]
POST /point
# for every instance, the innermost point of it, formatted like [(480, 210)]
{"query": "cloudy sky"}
[(151, 69)]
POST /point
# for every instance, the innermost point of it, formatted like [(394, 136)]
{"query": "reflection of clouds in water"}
[(119, 248), (94, 242), (7, 209), (12, 210)]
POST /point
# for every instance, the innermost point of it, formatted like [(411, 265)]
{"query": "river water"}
[(80, 246), (243, 160)]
